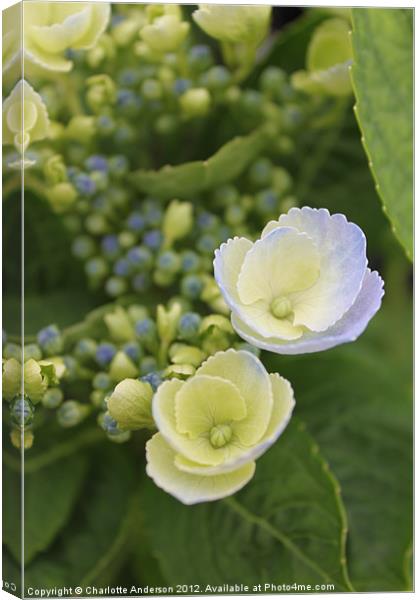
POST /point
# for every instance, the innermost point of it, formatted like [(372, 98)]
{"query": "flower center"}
[(281, 307), (220, 435)]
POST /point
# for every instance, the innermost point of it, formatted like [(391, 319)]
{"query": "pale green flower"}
[(52, 28), (130, 404), (234, 23), (328, 60), (25, 117), (214, 426), (11, 378)]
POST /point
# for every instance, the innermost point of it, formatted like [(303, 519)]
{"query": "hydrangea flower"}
[(214, 426), (52, 28), (234, 23), (304, 286)]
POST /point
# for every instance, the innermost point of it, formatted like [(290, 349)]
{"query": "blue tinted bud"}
[(261, 172), (105, 125), (200, 57), (235, 214), (133, 351), (110, 245), (50, 339), (128, 102), (181, 86), (96, 163), (122, 267), (217, 78), (124, 134), (72, 172), (105, 352), (206, 221), (151, 89), (207, 244), (129, 77), (72, 366), (192, 286), (109, 424), (12, 351), (146, 329), (189, 325), (84, 184), (148, 365), (115, 286), (154, 379), (267, 202), (118, 165), (168, 261), (190, 261), (102, 381), (226, 195), (52, 398), (96, 268), (83, 247), (153, 239), (140, 257), (141, 282), (22, 411), (136, 222), (85, 349)]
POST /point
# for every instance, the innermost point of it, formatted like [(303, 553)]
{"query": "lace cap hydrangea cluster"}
[(304, 286), (214, 426)]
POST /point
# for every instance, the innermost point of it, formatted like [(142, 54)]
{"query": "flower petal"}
[(248, 374), (204, 402), (186, 487), (347, 329), (284, 261), (198, 449), (342, 246), (227, 266), (283, 404)]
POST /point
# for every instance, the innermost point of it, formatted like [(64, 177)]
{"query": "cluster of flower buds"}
[(132, 244), (132, 351), (32, 376)]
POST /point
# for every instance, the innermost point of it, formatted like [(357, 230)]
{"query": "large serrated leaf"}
[(356, 401), (287, 525), (190, 178), (49, 496), (93, 545), (382, 75)]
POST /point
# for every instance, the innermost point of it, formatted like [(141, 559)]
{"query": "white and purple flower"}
[(304, 286)]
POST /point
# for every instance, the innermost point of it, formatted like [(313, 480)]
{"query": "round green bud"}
[(52, 398), (195, 102), (22, 439), (130, 405), (32, 351), (11, 350), (71, 413), (122, 367)]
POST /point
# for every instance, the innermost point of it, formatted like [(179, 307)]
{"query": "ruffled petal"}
[(227, 266), (284, 261), (347, 329), (248, 374), (186, 487), (342, 247)]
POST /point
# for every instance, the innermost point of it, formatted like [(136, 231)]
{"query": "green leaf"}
[(333, 173), (91, 548), (287, 49), (187, 179), (382, 75), (288, 524), (356, 400), (49, 496)]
